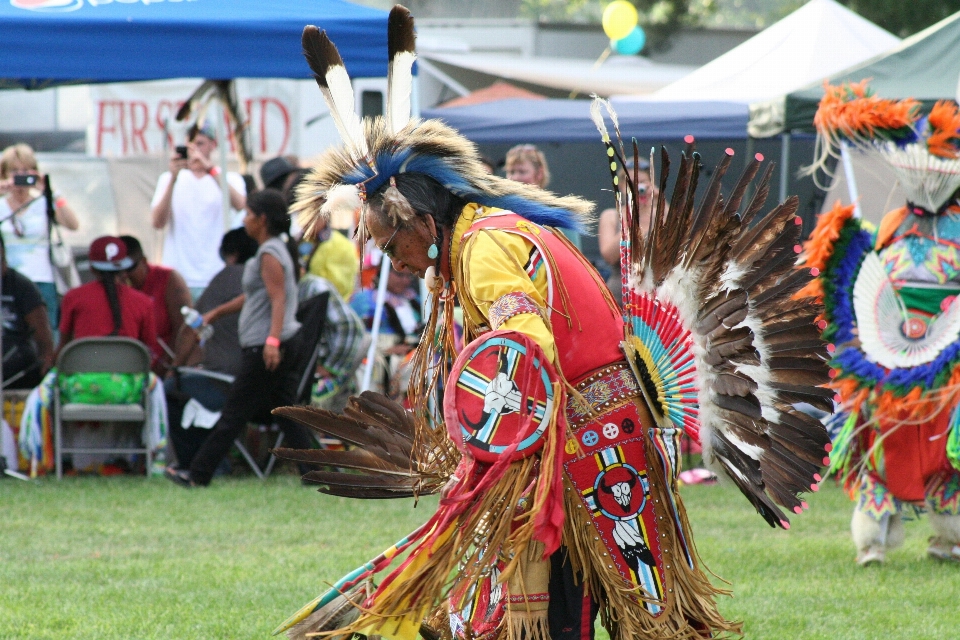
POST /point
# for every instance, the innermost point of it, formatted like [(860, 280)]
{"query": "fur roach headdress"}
[(378, 149), (924, 151)]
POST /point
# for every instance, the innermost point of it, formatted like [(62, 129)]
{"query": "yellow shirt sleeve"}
[(336, 261), (494, 265)]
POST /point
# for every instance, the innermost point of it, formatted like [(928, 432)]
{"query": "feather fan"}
[(714, 337), (384, 463)]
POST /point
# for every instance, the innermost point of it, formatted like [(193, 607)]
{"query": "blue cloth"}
[(539, 121), (62, 41)]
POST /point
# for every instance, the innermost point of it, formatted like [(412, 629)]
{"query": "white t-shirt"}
[(192, 242), (28, 242)]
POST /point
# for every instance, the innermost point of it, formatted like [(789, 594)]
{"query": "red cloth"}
[(913, 455), (85, 312), (155, 286), (590, 337)]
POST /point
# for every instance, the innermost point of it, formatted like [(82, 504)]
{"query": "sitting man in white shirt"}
[(188, 203)]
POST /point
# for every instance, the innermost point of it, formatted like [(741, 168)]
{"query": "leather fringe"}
[(525, 616)]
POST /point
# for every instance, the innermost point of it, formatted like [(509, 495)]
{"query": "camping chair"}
[(312, 314), (102, 355)]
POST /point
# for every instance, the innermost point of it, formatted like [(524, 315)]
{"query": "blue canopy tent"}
[(541, 121), (50, 42)]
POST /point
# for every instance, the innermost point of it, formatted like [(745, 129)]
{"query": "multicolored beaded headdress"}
[(923, 150)]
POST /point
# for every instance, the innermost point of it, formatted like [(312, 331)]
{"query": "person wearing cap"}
[(188, 204), (277, 173), (105, 307), (166, 288), (608, 228)]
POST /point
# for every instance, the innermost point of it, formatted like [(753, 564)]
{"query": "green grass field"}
[(128, 558)]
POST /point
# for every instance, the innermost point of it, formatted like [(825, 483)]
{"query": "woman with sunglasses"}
[(24, 222)]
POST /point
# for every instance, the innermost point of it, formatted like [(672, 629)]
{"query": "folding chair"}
[(102, 355)]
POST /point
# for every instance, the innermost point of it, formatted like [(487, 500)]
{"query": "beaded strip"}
[(603, 390)]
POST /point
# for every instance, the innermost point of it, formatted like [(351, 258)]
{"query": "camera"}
[(182, 151), (22, 180)]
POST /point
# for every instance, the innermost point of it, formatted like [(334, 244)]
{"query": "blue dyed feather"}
[(391, 165)]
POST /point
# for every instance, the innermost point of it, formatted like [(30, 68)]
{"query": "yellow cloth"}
[(490, 264), (335, 260)]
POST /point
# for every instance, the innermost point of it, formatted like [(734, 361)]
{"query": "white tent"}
[(816, 41), (618, 74)]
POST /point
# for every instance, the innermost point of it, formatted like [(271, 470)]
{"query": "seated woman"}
[(269, 337), (100, 308), (105, 307), (27, 338)]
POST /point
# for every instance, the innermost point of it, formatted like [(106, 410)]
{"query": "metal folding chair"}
[(102, 355)]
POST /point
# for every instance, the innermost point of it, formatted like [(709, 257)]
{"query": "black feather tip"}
[(400, 33), (320, 52)]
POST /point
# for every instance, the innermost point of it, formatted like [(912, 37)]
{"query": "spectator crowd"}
[(236, 323)]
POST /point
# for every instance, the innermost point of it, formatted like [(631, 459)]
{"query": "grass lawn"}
[(129, 558)]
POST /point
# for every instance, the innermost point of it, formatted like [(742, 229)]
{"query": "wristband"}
[(60, 202), (214, 171), (272, 342)]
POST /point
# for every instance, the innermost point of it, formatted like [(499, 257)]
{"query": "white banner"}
[(138, 118)]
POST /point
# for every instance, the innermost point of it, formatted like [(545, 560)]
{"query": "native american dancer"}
[(554, 447), (890, 309)]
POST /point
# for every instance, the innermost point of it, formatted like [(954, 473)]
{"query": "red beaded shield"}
[(500, 397)]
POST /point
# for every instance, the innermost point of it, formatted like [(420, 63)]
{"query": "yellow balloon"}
[(619, 19)]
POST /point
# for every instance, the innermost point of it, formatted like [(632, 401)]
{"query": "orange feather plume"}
[(945, 130), (819, 247), (852, 111)]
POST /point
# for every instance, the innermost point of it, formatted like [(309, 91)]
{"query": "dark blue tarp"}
[(46, 42), (540, 121)]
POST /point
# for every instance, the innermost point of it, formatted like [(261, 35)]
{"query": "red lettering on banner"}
[(126, 127), (284, 113), (165, 113), (138, 131), (116, 108)]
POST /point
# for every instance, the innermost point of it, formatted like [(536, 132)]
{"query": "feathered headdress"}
[(924, 151), (378, 149)]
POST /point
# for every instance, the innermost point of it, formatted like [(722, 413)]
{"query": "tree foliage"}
[(904, 17), (659, 18)]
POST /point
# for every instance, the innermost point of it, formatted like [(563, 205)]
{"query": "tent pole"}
[(851, 179), (784, 165), (377, 317)]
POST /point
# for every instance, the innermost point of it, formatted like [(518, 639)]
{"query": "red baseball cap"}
[(109, 253)]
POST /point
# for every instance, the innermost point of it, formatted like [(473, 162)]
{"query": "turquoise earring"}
[(433, 252)]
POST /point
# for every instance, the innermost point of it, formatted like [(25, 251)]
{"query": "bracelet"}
[(272, 342), (214, 171), (60, 202)]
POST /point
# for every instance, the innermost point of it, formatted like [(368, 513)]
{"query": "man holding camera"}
[(188, 203)]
